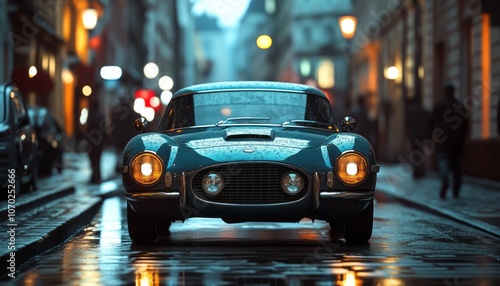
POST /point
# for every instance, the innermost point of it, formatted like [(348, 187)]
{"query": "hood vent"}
[(249, 134)]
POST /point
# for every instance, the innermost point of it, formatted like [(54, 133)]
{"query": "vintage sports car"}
[(249, 151)]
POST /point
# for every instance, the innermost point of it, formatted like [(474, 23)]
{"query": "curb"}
[(38, 198), (65, 229), (55, 236), (415, 203)]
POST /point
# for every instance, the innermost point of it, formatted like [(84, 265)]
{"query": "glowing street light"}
[(32, 72), (67, 76), (151, 70), (348, 26), (89, 18), (111, 72), (166, 82), (264, 42), (165, 97), (391, 72), (87, 90)]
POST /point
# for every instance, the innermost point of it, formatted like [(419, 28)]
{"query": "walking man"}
[(450, 118)]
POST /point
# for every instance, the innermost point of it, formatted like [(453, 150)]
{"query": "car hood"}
[(300, 138), (192, 148), (248, 143)]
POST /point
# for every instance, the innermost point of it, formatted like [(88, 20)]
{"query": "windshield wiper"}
[(240, 119), (306, 123)]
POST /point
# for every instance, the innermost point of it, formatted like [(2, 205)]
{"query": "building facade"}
[(51, 37), (272, 18), (6, 51), (431, 44), (317, 45), (32, 40)]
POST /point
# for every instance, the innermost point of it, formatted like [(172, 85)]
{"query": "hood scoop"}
[(248, 134)]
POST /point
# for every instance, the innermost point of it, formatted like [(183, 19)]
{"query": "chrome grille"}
[(249, 183)]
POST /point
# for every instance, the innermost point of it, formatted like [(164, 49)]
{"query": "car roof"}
[(249, 85)]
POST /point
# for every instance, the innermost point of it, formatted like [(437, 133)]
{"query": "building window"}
[(326, 74)]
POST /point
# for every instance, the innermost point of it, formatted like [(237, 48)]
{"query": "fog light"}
[(292, 183), (212, 183)]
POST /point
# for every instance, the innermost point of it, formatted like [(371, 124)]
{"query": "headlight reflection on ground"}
[(145, 276), (350, 279)]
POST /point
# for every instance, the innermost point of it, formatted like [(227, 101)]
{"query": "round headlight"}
[(352, 169), (212, 183), (146, 168), (292, 183)]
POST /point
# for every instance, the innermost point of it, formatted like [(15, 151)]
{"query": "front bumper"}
[(316, 204)]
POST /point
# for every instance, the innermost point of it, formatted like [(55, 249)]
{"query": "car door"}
[(24, 130)]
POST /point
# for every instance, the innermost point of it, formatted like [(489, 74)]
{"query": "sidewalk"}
[(478, 205), (61, 206)]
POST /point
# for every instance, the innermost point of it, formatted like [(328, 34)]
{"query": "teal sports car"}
[(249, 151)]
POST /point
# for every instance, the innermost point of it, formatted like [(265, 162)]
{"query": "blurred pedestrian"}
[(373, 123), (449, 119), (97, 138), (122, 120), (358, 112), (416, 124)]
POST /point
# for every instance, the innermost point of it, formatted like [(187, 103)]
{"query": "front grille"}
[(249, 183)]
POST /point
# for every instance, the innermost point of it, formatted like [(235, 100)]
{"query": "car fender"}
[(158, 143), (340, 143)]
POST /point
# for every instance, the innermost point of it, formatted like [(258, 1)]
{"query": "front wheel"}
[(141, 230), (163, 227), (358, 228), (336, 226)]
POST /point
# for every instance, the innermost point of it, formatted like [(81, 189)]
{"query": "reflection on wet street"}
[(408, 247)]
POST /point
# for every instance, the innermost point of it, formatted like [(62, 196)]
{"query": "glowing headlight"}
[(146, 168), (352, 168), (212, 183), (292, 183)]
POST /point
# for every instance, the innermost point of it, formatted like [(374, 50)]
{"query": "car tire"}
[(141, 230), (336, 226), (32, 186), (23, 187), (358, 229), (163, 227)]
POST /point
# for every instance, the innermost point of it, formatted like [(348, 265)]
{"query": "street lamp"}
[(89, 18), (347, 26), (32, 72), (89, 21), (151, 70), (264, 42), (391, 73)]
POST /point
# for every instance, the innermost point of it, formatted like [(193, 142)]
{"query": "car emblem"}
[(248, 151)]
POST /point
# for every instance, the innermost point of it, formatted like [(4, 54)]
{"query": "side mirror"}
[(349, 123), (140, 124)]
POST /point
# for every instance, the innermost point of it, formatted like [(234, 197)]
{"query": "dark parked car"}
[(50, 140), (250, 151), (18, 143)]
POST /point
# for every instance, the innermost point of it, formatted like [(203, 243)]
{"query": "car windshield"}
[(240, 107)]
